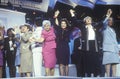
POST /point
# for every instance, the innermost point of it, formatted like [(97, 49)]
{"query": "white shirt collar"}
[(89, 26)]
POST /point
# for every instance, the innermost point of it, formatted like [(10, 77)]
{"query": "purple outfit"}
[(49, 48), (1, 58), (1, 53)]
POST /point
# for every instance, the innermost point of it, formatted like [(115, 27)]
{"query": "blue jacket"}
[(110, 43)]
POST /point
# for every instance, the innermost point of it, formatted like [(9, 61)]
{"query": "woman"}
[(10, 50), (76, 57), (36, 48), (90, 44), (110, 47), (62, 38), (49, 48), (26, 54), (1, 51), (17, 34)]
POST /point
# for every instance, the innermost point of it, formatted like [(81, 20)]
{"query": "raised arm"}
[(72, 13), (74, 21), (56, 17), (17, 35), (26, 37), (109, 12), (102, 24)]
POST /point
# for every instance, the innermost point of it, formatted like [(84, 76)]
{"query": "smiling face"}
[(25, 29), (88, 20), (10, 33), (22, 29), (63, 24), (110, 21), (47, 27)]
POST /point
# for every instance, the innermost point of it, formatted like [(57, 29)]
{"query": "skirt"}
[(63, 53), (49, 58), (110, 58)]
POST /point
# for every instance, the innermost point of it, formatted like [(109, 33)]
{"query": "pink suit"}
[(49, 48)]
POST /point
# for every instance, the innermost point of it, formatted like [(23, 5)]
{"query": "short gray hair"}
[(46, 22), (87, 17)]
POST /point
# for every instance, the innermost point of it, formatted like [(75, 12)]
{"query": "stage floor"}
[(63, 77), (72, 74)]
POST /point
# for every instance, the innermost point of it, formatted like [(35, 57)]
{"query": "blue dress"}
[(17, 60)]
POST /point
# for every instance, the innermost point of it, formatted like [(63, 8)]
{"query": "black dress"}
[(62, 40)]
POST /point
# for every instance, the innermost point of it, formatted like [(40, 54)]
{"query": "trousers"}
[(37, 61)]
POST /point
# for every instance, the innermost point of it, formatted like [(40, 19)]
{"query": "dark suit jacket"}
[(76, 55), (6, 44), (77, 43), (10, 55), (81, 25)]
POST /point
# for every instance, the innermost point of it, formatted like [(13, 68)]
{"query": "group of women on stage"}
[(29, 49)]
